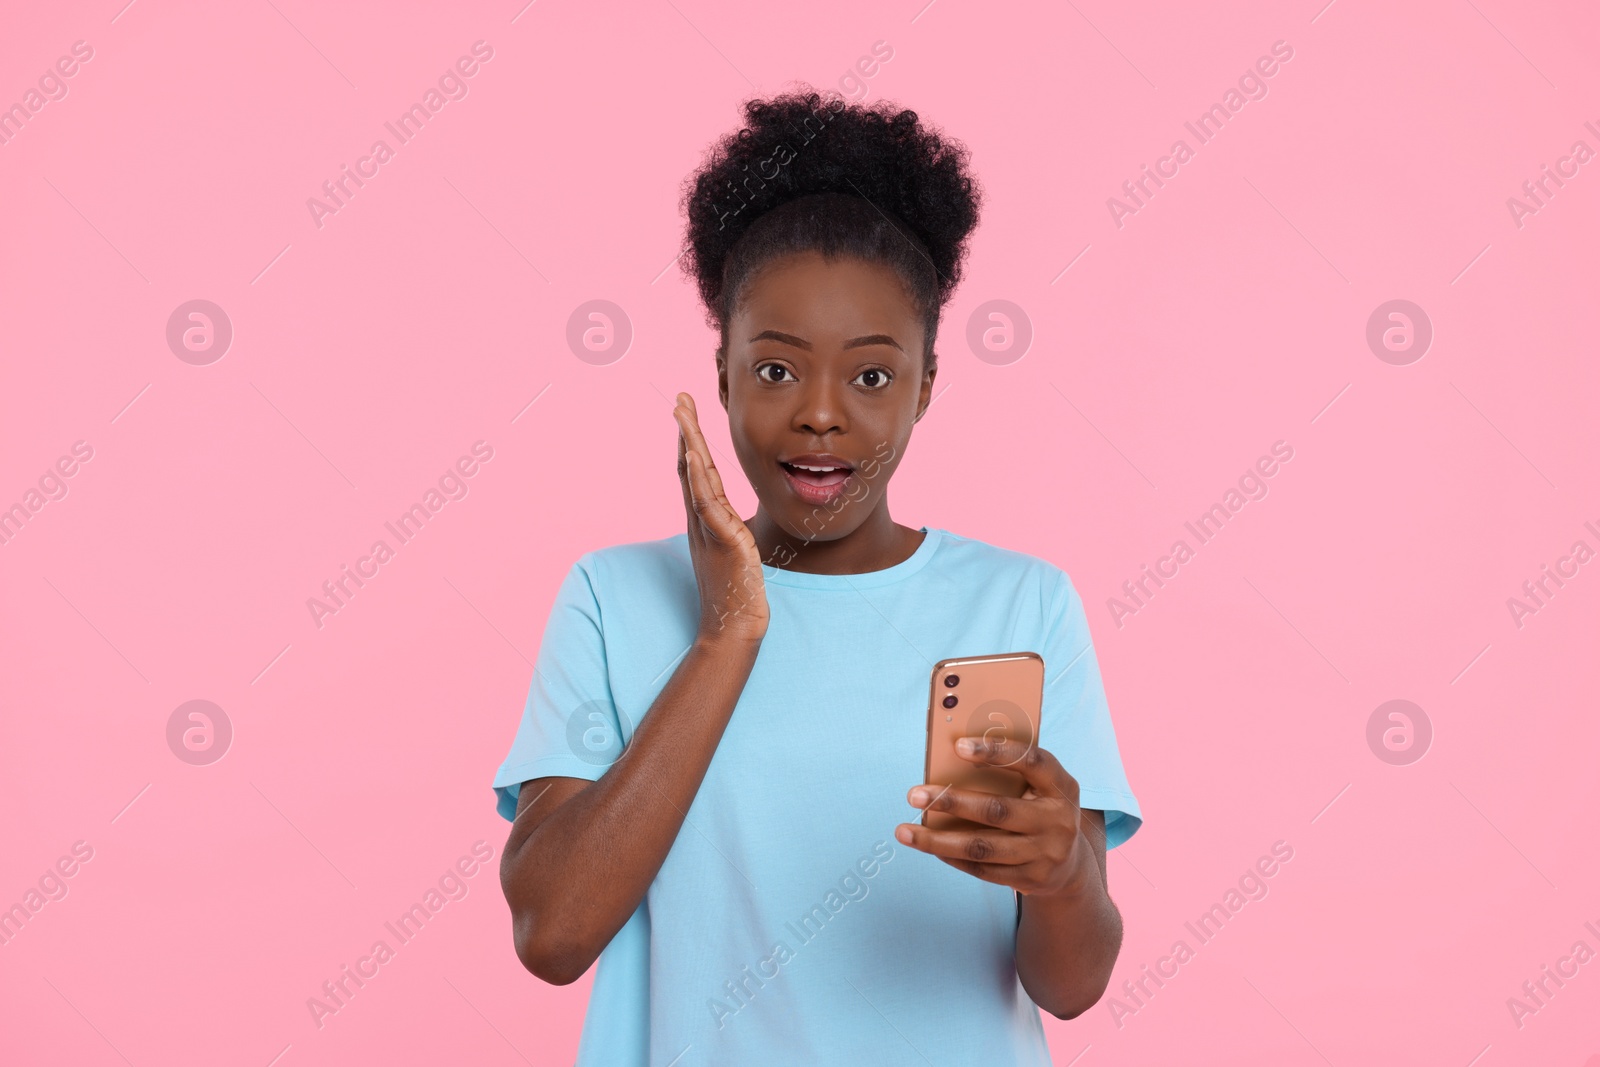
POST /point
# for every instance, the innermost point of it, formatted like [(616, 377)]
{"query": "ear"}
[(722, 377), (925, 397)]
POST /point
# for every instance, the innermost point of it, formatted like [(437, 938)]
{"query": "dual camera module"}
[(950, 682)]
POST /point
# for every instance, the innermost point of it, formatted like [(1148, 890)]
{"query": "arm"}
[(1047, 849), (1068, 942), (582, 854)]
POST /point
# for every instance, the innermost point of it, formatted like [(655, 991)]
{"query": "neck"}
[(876, 544)]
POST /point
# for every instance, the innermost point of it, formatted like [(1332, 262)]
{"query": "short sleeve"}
[(569, 724), (1075, 722)]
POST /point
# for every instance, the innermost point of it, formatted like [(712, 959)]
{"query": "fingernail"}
[(902, 834), (919, 797), (967, 746)]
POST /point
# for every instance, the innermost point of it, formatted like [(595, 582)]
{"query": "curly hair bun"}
[(808, 173)]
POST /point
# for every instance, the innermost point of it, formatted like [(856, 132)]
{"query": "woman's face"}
[(822, 382)]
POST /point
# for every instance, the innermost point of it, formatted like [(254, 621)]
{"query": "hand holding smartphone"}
[(994, 697)]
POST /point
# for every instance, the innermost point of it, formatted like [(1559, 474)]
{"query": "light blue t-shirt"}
[(787, 925)]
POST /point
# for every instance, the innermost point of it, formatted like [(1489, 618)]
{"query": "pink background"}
[(368, 354)]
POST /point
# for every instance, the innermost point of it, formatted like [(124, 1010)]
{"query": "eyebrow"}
[(854, 342)]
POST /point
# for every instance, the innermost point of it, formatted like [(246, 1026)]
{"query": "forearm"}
[(1068, 942), (574, 879)]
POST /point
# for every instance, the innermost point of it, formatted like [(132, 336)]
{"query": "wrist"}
[(723, 642), (1082, 879)]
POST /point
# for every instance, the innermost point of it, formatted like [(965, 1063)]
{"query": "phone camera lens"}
[(951, 680), (950, 701)]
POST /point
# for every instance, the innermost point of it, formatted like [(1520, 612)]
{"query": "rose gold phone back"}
[(995, 696)]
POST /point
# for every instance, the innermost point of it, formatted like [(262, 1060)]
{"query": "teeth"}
[(819, 470)]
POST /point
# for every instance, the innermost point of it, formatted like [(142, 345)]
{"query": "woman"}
[(708, 788)]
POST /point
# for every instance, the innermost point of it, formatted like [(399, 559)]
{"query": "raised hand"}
[(727, 562)]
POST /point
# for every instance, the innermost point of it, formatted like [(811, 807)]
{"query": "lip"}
[(817, 494), (818, 459)]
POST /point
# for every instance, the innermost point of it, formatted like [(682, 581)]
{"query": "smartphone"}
[(992, 697)]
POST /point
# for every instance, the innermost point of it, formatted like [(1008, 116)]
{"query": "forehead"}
[(820, 298)]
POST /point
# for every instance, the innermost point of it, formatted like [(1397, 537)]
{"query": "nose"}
[(820, 408)]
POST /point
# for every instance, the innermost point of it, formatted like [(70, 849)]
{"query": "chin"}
[(814, 522)]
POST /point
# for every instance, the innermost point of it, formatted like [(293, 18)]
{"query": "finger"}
[(713, 476), (1017, 814), (697, 441), (683, 463), (715, 514), (1000, 874), (706, 502), (1042, 771), (976, 846), (714, 480)]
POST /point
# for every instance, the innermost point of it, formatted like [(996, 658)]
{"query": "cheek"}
[(751, 437), (882, 471), (885, 441), (749, 454)]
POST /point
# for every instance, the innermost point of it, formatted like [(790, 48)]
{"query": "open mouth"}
[(817, 479), (822, 476)]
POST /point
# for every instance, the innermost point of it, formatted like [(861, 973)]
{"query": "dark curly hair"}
[(804, 173)]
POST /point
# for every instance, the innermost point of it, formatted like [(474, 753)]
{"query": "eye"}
[(874, 378), (773, 372)]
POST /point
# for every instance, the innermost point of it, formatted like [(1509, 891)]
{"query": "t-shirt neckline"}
[(932, 536)]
